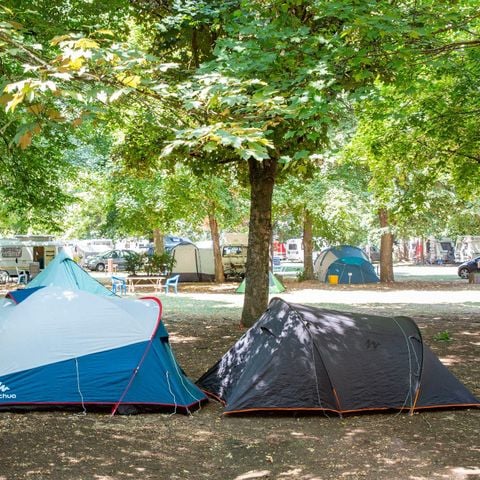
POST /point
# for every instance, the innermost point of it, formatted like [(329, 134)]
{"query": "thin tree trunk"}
[(386, 249), (195, 53), (307, 247), (405, 250), (262, 179), (158, 241), (217, 254)]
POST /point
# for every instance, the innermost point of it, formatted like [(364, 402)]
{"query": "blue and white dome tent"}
[(62, 347), (348, 263)]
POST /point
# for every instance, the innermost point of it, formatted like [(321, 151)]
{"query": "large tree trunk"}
[(217, 254), (158, 241), (307, 247), (386, 249), (262, 179)]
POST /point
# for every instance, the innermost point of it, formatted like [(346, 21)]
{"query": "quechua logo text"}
[(4, 395)]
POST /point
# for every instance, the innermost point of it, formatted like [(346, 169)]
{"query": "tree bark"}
[(386, 249), (422, 255), (262, 176), (158, 241), (195, 53), (307, 247), (217, 254), (405, 250)]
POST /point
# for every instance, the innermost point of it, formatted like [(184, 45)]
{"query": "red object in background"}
[(279, 249)]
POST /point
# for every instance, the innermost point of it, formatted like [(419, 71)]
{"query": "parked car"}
[(100, 262), (468, 267)]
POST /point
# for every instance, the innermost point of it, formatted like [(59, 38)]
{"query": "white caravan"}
[(439, 250), (27, 253), (466, 248)]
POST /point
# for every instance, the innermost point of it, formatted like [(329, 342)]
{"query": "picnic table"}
[(147, 280)]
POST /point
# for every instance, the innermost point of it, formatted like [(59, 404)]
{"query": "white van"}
[(295, 250)]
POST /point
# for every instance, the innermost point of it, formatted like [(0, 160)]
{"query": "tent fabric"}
[(352, 270), (298, 357), (347, 262), (274, 285), (69, 347), (21, 294), (64, 272), (192, 263)]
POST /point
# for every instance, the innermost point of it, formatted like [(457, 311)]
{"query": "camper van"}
[(295, 250), (234, 259), (466, 248), (234, 254), (439, 250), (27, 253)]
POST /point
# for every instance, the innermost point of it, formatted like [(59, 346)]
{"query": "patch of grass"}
[(218, 309), (443, 336), (184, 308)]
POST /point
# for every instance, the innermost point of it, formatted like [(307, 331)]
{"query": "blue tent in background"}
[(64, 272), (353, 270), (349, 263)]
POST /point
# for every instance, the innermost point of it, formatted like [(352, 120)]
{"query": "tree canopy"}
[(218, 96)]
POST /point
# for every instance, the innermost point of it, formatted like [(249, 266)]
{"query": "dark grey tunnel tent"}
[(298, 357)]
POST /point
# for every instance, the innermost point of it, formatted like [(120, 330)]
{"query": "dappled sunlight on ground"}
[(451, 360), (355, 432), (251, 475), (303, 435), (465, 472), (178, 338)]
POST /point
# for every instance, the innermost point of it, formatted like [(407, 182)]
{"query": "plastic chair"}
[(22, 276), (4, 277), (171, 282), (119, 285)]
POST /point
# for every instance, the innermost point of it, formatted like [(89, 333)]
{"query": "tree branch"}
[(453, 152), (452, 46)]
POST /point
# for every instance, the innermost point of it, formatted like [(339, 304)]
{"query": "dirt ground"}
[(431, 445)]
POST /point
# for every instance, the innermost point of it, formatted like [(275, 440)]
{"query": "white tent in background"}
[(193, 263)]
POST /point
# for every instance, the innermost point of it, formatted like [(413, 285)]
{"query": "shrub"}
[(133, 263), (158, 264), (150, 264)]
